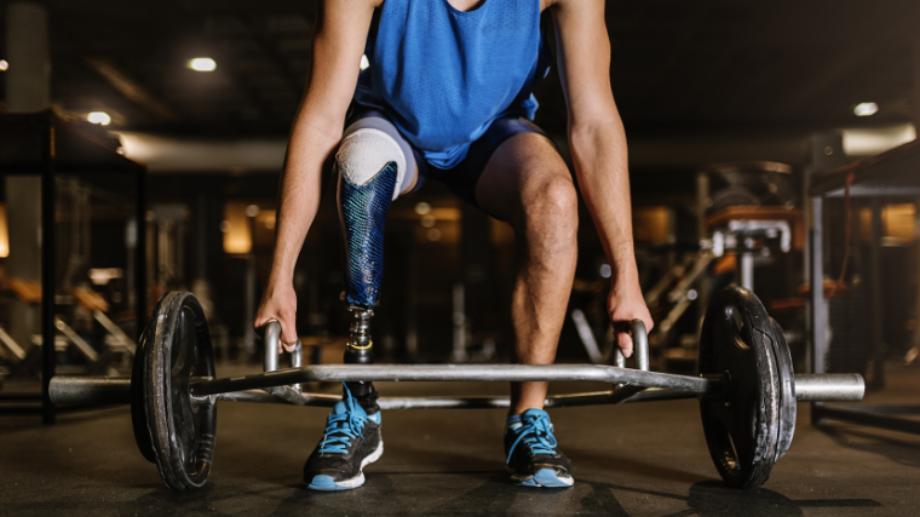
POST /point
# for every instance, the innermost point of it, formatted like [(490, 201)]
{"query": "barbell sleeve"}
[(829, 386), (80, 391)]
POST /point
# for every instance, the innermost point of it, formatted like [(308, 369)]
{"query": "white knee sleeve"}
[(368, 145)]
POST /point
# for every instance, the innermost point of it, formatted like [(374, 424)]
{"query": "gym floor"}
[(640, 459)]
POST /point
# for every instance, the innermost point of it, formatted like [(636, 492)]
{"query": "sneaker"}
[(351, 441), (532, 454)]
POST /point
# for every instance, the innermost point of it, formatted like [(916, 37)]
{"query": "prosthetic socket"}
[(368, 164)]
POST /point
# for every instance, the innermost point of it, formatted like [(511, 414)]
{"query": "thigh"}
[(522, 168)]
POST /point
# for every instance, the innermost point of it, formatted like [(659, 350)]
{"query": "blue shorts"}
[(462, 179)]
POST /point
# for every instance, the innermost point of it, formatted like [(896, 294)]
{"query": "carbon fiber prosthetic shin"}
[(363, 210)]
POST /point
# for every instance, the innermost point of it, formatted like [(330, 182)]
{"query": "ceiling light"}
[(4, 65), (872, 141), (100, 118), (865, 109), (202, 64)]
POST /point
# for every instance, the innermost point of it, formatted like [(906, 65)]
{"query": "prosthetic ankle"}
[(359, 349)]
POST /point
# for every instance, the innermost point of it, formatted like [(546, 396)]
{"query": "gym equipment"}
[(53, 151), (740, 341), (757, 183), (116, 347), (885, 177), (747, 238), (170, 428), (746, 387)]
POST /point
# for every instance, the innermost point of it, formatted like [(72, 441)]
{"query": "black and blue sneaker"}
[(532, 453), (350, 442)]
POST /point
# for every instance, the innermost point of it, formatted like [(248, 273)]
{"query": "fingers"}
[(625, 342), (280, 304), (288, 337)]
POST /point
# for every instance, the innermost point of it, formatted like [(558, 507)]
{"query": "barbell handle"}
[(297, 361), (636, 329), (619, 360), (273, 345), (640, 344), (297, 356)]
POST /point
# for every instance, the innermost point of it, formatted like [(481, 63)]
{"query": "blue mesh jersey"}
[(443, 76)]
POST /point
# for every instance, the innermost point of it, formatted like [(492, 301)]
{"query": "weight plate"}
[(182, 432), (138, 412), (786, 377), (742, 423)]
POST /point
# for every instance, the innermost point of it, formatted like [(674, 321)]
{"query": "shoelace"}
[(342, 428), (537, 435)]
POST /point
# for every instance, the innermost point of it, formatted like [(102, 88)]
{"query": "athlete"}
[(447, 96)]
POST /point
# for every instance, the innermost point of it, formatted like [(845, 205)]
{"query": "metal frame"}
[(731, 235), (60, 153), (882, 176), (48, 269)]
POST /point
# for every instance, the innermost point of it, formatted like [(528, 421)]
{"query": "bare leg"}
[(527, 184)]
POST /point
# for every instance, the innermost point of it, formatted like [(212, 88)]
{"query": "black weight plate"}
[(786, 378), (182, 431), (741, 424), (138, 412)]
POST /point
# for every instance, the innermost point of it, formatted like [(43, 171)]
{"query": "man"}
[(447, 96)]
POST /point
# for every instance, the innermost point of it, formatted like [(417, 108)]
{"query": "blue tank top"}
[(443, 75)]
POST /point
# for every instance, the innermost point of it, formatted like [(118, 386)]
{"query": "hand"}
[(279, 303), (624, 304)]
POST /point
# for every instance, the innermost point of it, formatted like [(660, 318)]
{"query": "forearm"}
[(598, 144), (310, 143), (337, 50), (599, 153)]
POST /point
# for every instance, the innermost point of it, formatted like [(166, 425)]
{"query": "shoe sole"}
[(545, 478), (325, 483)]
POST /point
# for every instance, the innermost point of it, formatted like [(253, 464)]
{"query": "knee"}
[(551, 207), (365, 155)]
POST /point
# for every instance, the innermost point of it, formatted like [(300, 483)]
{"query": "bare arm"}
[(598, 144), (317, 129)]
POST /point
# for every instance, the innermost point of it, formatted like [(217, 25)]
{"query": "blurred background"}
[(141, 146)]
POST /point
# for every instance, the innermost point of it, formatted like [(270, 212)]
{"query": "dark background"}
[(696, 83)]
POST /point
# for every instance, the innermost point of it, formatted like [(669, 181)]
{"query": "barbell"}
[(746, 387)]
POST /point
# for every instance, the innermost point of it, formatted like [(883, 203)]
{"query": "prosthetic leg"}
[(363, 211), (372, 168)]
